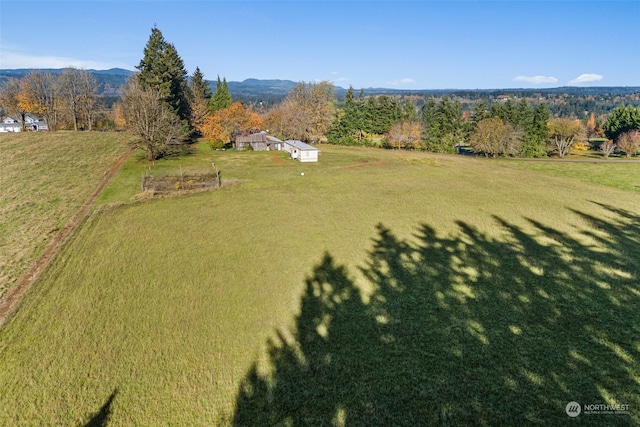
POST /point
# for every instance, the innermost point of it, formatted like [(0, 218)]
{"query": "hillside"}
[(42, 190), (109, 81), (274, 90)]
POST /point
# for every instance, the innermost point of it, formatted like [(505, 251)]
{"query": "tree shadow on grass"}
[(463, 330), (101, 418)]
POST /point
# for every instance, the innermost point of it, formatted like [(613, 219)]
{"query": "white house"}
[(301, 151), (10, 124), (31, 123)]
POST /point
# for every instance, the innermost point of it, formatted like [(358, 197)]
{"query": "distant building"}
[(263, 142), (31, 123), (258, 142), (301, 151)]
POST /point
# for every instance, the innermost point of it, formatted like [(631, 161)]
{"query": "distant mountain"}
[(19, 72), (270, 92), (109, 81), (254, 86)]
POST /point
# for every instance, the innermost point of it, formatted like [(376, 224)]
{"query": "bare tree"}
[(70, 94), (629, 142), (159, 130), (39, 92), (88, 86), (607, 148)]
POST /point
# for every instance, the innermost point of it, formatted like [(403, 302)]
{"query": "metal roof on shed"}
[(300, 145)]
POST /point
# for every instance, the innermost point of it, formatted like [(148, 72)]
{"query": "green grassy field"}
[(611, 173), (379, 288), (45, 179)]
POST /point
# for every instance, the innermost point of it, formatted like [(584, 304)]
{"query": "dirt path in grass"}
[(14, 295)]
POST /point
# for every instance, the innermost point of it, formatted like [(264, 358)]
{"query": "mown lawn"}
[(45, 178), (379, 288)]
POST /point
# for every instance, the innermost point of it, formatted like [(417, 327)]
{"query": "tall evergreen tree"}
[(199, 86), (199, 97), (221, 98), (442, 125), (352, 120), (162, 68), (535, 137), (369, 108), (408, 110), (622, 119), (347, 128)]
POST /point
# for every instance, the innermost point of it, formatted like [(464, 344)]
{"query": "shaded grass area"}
[(46, 176), (201, 310), (461, 330)]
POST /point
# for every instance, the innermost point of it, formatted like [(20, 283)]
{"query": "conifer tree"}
[(442, 125), (199, 97), (163, 69), (622, 119), (221, 98), (199, 86)]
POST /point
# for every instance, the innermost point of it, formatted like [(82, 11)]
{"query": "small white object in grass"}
[(301, 173)]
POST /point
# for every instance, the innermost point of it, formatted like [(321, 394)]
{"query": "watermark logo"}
[(573, 409)]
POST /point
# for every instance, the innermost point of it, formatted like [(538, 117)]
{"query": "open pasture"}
[(379, 288), (44, 179)]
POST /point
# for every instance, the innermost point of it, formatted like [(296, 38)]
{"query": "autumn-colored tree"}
[(276, 120), (10, 98), (220, 128), (38, 95), (307, 112), (119, 119), (405, 134), (563, 133), (629, 142), (591, 126), (492, 137)]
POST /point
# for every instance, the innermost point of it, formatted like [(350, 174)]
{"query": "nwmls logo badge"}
[(573, 409)]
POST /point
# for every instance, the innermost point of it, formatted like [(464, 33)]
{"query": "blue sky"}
[(391, 43)]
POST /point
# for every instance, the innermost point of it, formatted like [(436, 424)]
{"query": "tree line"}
[(166, 109), (67, 100)]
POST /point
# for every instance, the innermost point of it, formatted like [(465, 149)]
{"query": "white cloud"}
[(586, 78), (536, 80), (11, 60)]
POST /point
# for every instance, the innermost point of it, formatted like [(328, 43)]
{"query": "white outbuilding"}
[(301, 151)]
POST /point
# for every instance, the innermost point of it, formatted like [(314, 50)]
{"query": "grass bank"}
[(380, 287), (46, 177)]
